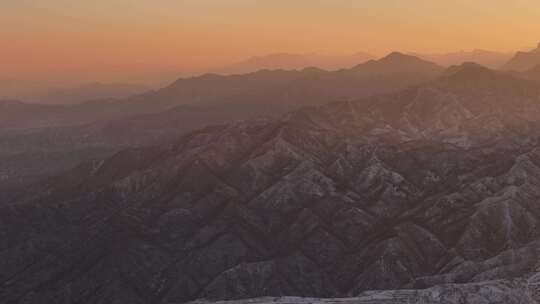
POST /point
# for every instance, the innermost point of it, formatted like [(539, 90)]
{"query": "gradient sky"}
[(111, 40)]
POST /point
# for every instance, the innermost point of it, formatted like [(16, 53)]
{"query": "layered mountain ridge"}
[(278, 90), (435, 185), (524, 61), (287, 61), (486, 58)]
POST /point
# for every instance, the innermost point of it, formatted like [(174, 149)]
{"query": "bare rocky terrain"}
[(426, 195)]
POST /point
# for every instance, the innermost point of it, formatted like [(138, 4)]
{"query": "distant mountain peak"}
[(397, 62), (472, 64), (398, 56), (468, 68), (313, 70), (288, 61)]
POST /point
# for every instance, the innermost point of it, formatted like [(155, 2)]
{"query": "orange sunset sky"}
[(122, 40)]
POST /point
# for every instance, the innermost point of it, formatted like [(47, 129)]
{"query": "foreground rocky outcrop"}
[(433, 187)]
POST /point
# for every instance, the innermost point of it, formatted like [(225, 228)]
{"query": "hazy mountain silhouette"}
[(89, 92), (433, 186), (277, 90), (486, 58), (524, 61), (310, 85), (42, 93), (396, 62), (284, 61)]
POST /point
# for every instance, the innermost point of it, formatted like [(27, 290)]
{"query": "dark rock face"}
[(431, 186)]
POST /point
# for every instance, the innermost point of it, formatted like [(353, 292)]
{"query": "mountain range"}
[(490, 59), (432, 187), (89, 92), (52, 94), (286, 61), (278, 90)]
